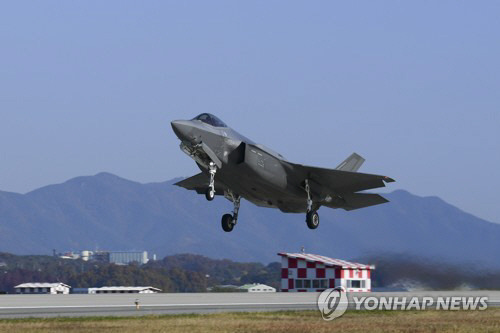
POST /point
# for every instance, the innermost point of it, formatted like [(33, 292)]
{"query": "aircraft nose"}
[(182, 129)]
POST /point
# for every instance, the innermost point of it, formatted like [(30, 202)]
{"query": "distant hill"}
[(108, 212)]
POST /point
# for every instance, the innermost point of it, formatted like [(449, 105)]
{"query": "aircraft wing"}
[(199, 183), (337, 181)]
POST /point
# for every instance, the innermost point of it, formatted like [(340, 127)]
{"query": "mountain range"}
[(107, 212)]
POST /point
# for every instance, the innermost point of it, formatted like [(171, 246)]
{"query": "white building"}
[(302, 272), (257, 288), (42, 288), (124, 290), (128, 257)]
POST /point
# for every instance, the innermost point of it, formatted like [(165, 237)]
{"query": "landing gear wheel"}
[(227, 222), (210, 194), (312, 219)]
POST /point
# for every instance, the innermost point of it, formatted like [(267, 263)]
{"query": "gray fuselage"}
[(249, 170)]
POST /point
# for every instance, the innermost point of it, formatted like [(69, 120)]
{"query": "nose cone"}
[(182, 129)]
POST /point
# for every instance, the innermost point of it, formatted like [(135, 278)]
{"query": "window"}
[(210, 119), (316, 284), (353, 283)]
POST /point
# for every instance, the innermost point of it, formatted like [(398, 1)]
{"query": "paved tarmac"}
[(22, 306)]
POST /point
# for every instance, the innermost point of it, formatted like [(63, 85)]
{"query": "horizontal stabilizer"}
[(361, 200), (352, 163)]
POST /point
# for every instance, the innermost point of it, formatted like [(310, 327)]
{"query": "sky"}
[(91, 86)]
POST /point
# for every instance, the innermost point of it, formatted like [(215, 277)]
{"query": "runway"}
[(22, 306)]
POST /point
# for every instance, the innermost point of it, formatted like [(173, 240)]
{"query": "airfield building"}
[(116, 290), (42, 288), (304, 272), (257, 288), (124, 290)]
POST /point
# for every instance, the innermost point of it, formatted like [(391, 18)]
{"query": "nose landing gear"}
[(212, 170)]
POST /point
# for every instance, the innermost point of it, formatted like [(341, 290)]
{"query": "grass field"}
[(291, 321)]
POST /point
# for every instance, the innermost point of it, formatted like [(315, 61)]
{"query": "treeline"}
[(178, 273), (196, 273), (222, 272)]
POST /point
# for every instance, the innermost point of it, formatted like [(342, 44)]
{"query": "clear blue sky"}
[(90, 86)]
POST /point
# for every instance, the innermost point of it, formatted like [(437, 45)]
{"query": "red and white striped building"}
[(302, 272)]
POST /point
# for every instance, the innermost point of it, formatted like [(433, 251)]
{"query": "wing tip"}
[(388, 179)]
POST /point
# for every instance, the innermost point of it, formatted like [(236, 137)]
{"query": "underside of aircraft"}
[(235, 167)]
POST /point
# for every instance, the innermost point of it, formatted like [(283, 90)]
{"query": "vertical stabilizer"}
[(352, 163)]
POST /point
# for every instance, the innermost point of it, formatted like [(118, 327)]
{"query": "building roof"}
[(122, 288), (41, 285), (326, 260), (255, 285)]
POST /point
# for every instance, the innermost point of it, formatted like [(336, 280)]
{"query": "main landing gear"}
[(312, 216), (229, 221), (210, 194), (312, 219)]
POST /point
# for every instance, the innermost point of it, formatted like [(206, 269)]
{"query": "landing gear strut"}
[(210, 194), (229, 221), (312, 216)]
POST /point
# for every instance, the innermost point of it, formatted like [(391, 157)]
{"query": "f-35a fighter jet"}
[(236, 167)]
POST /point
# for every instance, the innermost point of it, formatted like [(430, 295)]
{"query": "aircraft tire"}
[(312, 219), (227, 222), (209, 194)]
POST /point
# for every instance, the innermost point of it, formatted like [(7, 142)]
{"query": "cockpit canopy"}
[(210, 119)]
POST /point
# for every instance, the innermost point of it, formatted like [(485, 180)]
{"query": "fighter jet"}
[(235, 167)]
